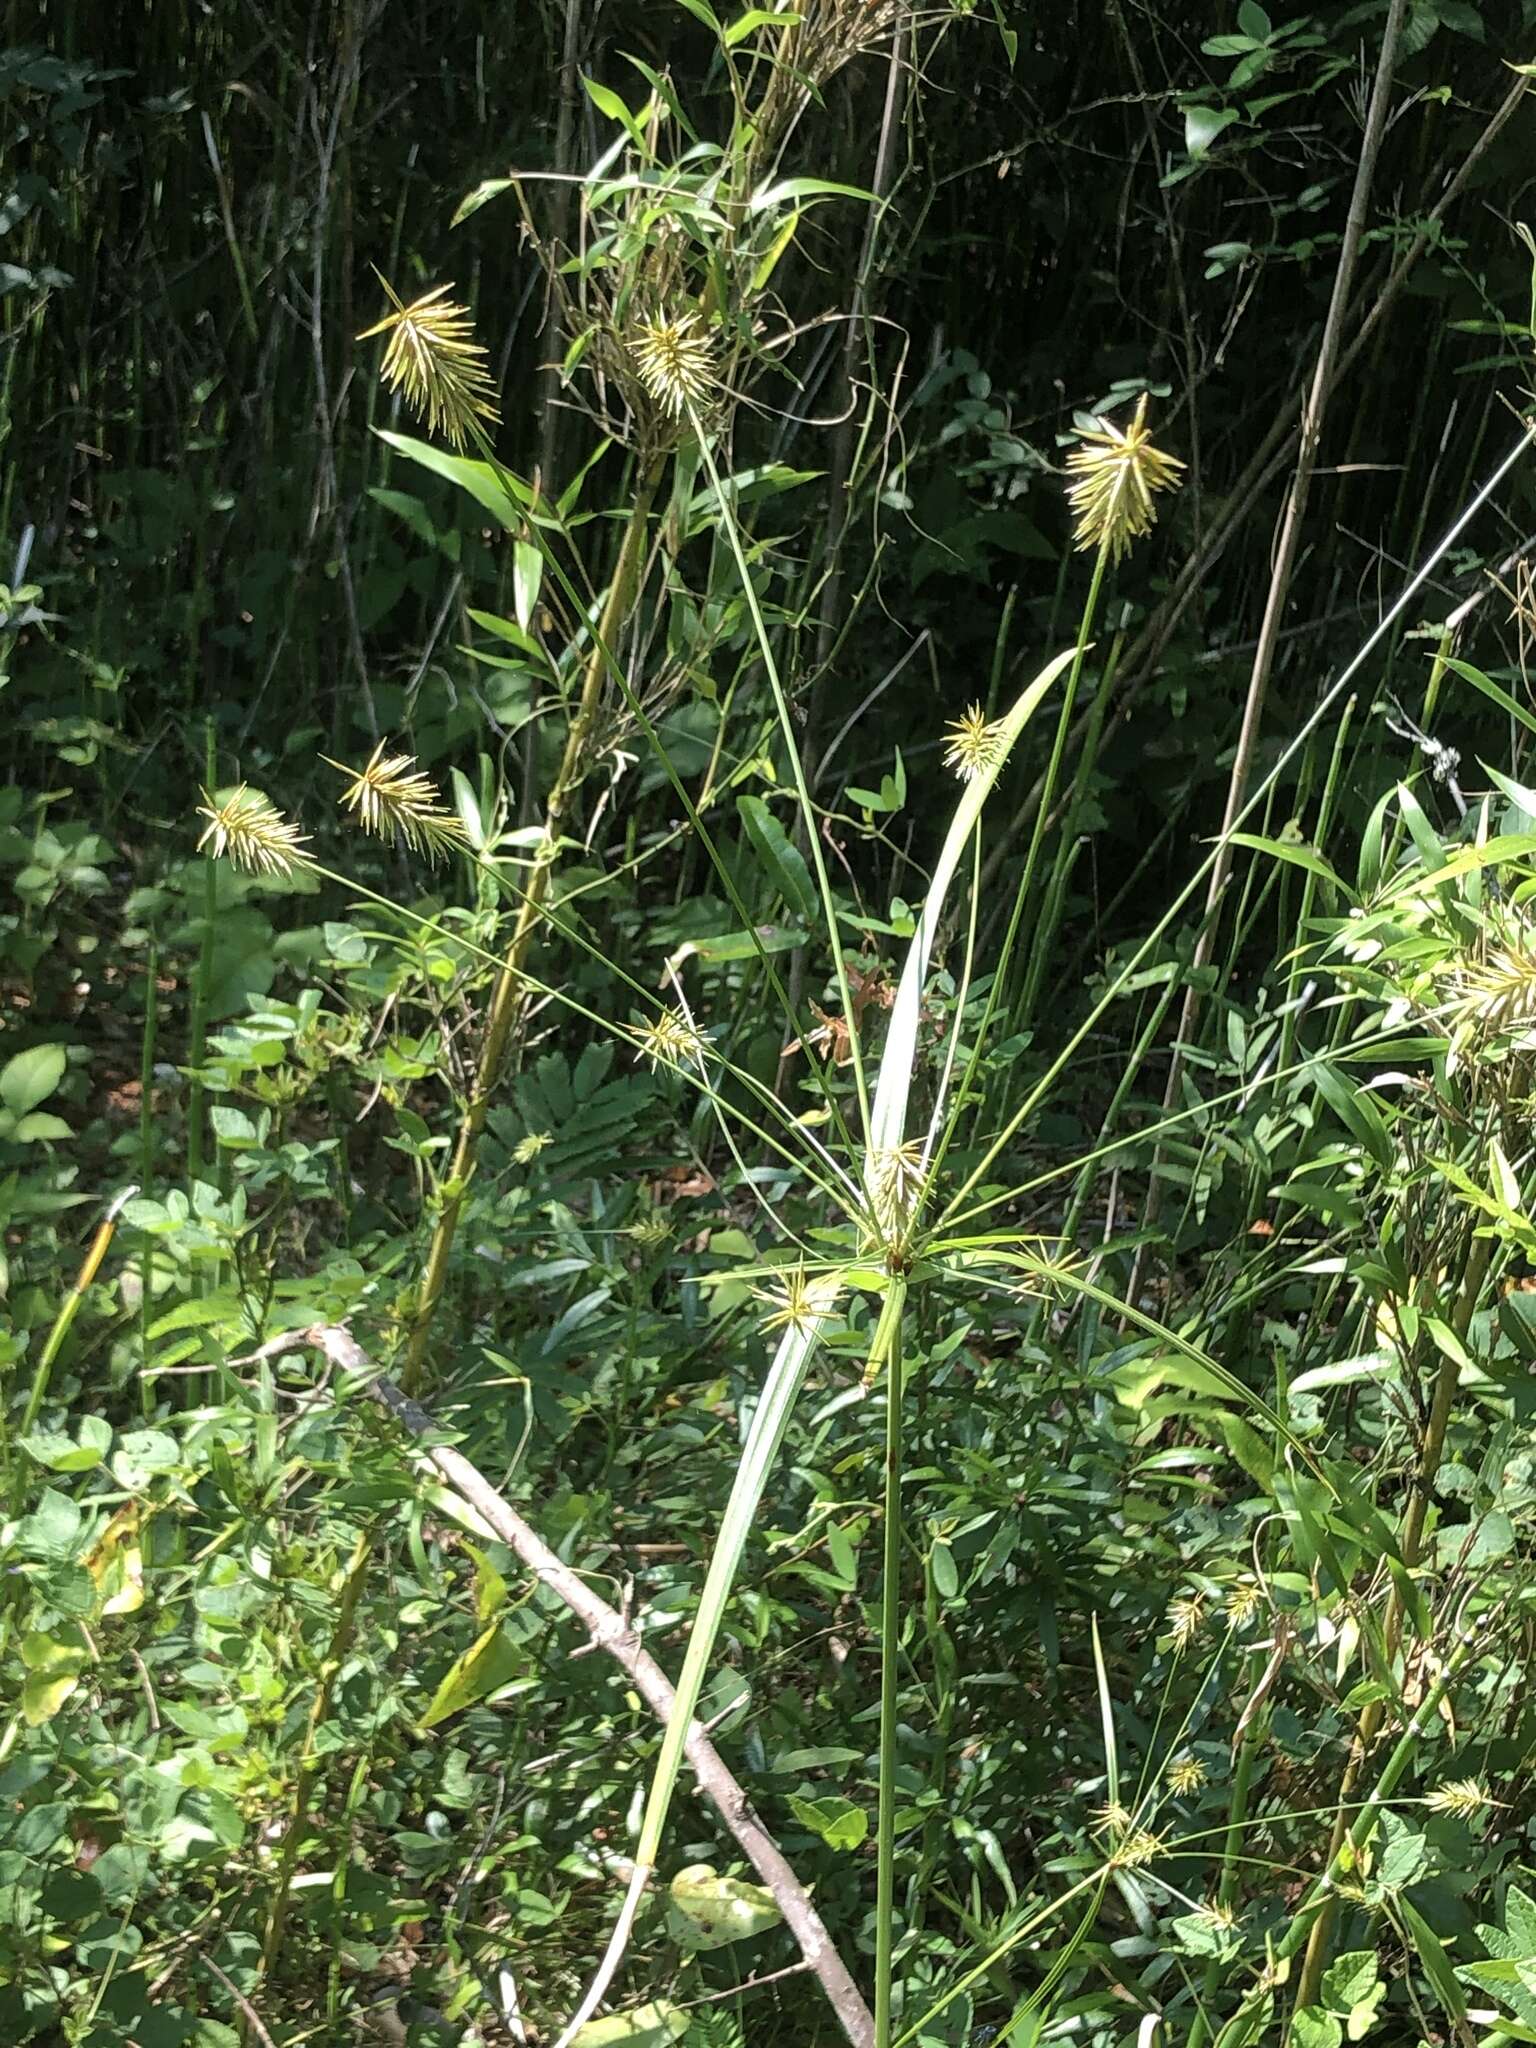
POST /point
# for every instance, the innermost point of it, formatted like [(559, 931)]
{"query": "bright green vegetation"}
[(786, 951)]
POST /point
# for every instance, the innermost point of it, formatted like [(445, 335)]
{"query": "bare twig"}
[(609, 1631), (252, 2018)]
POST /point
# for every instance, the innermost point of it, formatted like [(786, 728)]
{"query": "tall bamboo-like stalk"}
[(1287, 551), (147, 1154), (349, 1594), (1410, 1542), (197, 1023), (506, 998)]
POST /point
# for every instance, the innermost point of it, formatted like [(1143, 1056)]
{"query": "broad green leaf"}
[(1431, 849), (1345, 1372), (483, 483), (779, 858), (1314, 2028), (744, 487), (233, 1127), (490, 1662), (61, 1453), (841, 1554), (490, 1586), (506, 629), (1293, 850), (527, 576), (1136, 1384), (40, 1128), (1323, 1198), (202, 1314), (1401, 1863), (1356, 1111), (1202, 125), (488, 188), (1249, 1449), (1494, 1538), (607, 101), (755, 18), (768, 262), (30, 1077), (141, 1454), (804, 188), (1492, 691), (1200, 1935), (1106, 1714), (941, 1562), (763, 938), (839, 1823), (410, 509)]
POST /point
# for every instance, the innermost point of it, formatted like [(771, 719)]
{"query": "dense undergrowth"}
[(843, 858)]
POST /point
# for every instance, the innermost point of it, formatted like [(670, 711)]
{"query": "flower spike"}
[(434, 361), (1117, 472), (391, 798), (250, 830), (675, 362)]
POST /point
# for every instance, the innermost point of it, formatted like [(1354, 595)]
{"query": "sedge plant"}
[(663, 334), (878, 1199)]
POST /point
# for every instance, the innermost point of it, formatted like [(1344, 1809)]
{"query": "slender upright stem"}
[(147, 1154), (1042, 931), (309, 1767), (1021, 895), (1410, 1542), (1288, 546), (1226, 1888), (197, 1023), (797, 768), (890, 1652)]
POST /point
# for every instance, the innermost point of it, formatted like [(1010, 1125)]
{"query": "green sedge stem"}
[(1042, 933), (69, 1308), (515, 494), (888, 1345), (797, 767), (197, 1026)]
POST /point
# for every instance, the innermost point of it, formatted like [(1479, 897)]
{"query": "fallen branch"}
[(609, 1631)]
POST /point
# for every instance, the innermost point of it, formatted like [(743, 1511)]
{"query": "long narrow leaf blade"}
[(898, 1062)]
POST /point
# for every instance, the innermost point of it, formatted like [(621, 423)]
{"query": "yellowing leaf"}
[(115, 1562), (643, 2026), (53, 1672), (490, 1586), (711, 1911), (1136, 1384), (489, 1662)]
